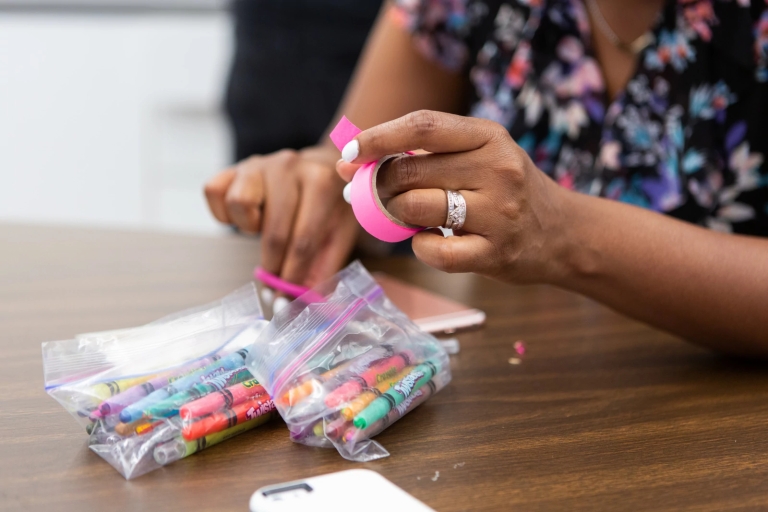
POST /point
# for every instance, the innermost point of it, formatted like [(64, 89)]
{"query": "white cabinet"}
[(112, 119)]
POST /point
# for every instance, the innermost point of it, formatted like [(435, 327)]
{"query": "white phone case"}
[(355, 490)]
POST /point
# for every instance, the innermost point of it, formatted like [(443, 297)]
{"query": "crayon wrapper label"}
[(405, 386)]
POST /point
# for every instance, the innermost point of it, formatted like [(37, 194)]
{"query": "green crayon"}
[(171, 405), (379, 408), (178, 448)]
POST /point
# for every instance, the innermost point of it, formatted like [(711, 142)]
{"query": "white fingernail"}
[(280, 304), (267, 296), (350, 151), (347, 193)]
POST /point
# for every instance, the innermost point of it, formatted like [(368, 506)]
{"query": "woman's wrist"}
[(575, 254)]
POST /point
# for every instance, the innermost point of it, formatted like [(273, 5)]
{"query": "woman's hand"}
[(514, 218), (294, 199)]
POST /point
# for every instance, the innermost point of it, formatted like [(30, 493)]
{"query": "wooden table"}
[(603, 413)]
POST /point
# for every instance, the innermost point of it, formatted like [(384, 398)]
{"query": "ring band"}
[(457, 210)]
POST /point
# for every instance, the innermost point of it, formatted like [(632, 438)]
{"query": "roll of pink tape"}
[(366, 205)]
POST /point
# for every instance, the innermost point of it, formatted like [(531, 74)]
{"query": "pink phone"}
[(431, 312)]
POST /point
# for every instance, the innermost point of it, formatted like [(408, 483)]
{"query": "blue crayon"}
[(135, 411)]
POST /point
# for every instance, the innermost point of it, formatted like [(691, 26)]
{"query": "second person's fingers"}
[(313, 221), (215, 192), (244, 199), (281, 200)]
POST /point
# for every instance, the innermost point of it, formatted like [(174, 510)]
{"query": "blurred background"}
[(111, 111)]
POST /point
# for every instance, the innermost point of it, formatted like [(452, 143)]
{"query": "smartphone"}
[(431, 312), (355, 490)]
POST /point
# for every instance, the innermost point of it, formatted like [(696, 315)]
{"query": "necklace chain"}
[(635, 47)]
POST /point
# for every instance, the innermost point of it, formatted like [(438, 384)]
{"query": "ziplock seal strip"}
[(334, 328), (184, 363)]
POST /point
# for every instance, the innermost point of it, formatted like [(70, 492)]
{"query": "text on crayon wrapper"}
[(218, 371), (221, 380), (264, 408), (407, 403), (405, 386), (250, 383), (386, 375)]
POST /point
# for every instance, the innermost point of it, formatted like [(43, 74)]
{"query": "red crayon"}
[(226, 398), (228, 418), (369, 378)]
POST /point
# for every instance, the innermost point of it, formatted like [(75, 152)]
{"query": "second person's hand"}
[(294, 199)]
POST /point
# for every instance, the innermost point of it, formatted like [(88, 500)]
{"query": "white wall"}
[(112, 119)]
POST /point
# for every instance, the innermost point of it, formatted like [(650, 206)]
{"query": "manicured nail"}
[(347, 193), (279, 304), (267, 296), (350, 151)]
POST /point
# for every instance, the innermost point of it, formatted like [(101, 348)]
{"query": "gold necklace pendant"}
[(637, 46)]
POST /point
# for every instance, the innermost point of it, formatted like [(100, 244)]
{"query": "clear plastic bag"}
[(343, 364), (154, 394)]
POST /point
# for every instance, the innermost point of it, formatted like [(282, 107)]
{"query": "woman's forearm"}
[(708, 287), (393, 79)]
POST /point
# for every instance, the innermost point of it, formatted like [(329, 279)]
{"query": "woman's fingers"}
[(429, 208), (334, 252), (280, 205), (313, 220), (446, 171), (436, 132), (466, 253), (245, 197), (216, 191)]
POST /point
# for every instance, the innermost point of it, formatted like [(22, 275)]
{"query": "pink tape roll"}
[(366, 205)]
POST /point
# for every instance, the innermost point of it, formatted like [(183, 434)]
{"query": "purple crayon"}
[(122, 400)]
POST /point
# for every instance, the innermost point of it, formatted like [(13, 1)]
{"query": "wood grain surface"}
[(603, 413)]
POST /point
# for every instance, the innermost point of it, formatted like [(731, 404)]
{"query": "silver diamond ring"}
[(457, 210)]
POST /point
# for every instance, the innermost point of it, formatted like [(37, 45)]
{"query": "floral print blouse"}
[(689, 134)]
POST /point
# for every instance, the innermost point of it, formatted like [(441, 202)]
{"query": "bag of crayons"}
[(152, 395), (343, 363)]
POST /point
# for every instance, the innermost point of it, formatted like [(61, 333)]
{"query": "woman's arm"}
[(393, 79), (294, 199), (522, 227), (708, 287)]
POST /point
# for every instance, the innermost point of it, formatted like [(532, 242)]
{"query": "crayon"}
[(354, 407), (138, 427), (230, 362), (228, 418), (170, 406), (355, 365), (334, 429), (178, 448), (377, 373), (106, 390), (380, 407), (298, 433), (354, 434), (223, 399), (126, 429), (120, 401)]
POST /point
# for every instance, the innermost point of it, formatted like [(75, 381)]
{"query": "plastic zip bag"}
[(154, 394), (343, 363)]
